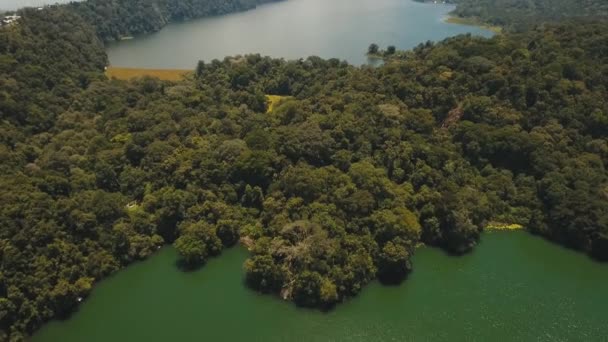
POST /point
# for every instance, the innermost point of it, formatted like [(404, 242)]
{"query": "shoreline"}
[(501, 226), (450, 19)]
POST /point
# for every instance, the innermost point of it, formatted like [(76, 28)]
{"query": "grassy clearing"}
[(473, 22), (503, 226), (163, 74), (274, 101), (132, 207)]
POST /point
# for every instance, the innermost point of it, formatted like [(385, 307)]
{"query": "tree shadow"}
[(187, 267), (393, 281)]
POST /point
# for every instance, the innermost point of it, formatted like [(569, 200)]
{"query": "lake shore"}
[(472, 22), (493, 226), (517, 265)]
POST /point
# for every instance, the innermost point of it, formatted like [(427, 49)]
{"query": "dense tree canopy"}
[(116, 19), (523, 14), (332, 188)]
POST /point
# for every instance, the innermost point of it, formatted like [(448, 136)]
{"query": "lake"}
[(292, 29), (16, 4), (514, 286)]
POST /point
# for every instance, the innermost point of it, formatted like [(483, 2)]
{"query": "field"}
[(163, 74)]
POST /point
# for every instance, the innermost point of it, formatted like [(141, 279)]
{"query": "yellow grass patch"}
[(122, 138), (503, 226), (446, 75), (274, 100), (163, 74), (132, 207)]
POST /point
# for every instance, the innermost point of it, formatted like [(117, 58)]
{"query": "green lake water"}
[(292, 29), (513, 287)]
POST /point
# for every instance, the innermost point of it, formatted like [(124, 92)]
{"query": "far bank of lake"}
[(513, 286), (293, 29), (12, 5)]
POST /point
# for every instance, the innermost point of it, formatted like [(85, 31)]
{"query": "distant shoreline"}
[(450, 19)]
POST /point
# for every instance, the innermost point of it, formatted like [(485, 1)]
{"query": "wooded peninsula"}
[(331, 184)]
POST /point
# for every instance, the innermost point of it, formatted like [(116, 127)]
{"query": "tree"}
[(400, 223), (200, 68), (228, 232), (394, 261), (328, 293), (263, 274), (197, 242), (170, 206), (191, 249), (373, 49), (307, 289)]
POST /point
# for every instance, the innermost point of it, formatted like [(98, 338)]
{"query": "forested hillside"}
[(116, 19), (331, 188), (45, 60), (524, 14)]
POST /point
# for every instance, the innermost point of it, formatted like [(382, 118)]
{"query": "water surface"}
[(16, 4), (293, 29), (513, 287)]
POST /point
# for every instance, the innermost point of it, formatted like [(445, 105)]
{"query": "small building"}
[(9, 20)]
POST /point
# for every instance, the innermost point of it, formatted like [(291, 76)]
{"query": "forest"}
[(521, 15), (118, 19), (331, 187)]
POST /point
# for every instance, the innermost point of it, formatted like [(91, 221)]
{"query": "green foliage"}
[(373, 49), (521, 14), (394, 261), (197, 242), (331, 189), (263, 274), (35, 88), (114, 20)]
